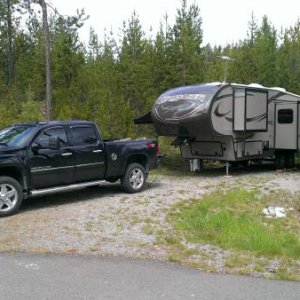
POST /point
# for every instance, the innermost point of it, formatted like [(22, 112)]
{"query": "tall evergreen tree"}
[(252, 29), (289, 59), (67, 62), (265, 54), (133, 64), (213, 67), (8, 24), (186, 45)]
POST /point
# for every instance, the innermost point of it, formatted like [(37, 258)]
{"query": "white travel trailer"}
[(230, 122)]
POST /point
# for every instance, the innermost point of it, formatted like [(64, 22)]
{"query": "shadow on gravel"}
[(92, 193), (238, 170), (66, 198), (219, 169)]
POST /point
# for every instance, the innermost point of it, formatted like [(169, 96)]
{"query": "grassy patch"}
[(172, 163), (234, 221), (148, 229), (88, 226)]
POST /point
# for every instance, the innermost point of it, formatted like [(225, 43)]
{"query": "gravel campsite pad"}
[(104, 220)]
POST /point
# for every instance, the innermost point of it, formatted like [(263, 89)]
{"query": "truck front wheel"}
[(134, 179), (10, 196)]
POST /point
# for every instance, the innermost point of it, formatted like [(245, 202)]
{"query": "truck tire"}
[(11, 196), (134, 179)]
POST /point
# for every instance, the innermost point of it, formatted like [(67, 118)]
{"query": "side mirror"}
[(54, 143), (35, 147)]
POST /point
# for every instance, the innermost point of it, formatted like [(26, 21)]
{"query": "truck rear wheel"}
[(134, 179), (10, 196)]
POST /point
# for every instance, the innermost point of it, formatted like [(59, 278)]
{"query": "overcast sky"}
[(223, 21)]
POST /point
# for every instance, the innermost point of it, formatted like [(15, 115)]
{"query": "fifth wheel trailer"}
[(229, 122)]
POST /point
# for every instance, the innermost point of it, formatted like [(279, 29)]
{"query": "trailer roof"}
[(259, 86)]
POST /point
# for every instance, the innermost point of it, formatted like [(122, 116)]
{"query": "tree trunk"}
[(10, 56), (47, 59)]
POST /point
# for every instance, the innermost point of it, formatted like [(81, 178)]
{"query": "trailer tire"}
[(279, 160), (290, 160), (134, 179), (11, 196), (284, 159), (245, 163)]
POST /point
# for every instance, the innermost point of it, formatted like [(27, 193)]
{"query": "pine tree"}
[(252, 27), (265, 54), (186, 45), (134, 72), (68, 59), (8, 24), (289, 59)]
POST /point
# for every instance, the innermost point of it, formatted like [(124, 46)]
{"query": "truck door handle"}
[(67, 154), (97, 151)]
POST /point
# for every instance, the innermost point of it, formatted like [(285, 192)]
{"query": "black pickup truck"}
[(46, 157)]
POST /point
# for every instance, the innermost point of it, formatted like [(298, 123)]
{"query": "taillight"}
[(154, 146), (151, 145)]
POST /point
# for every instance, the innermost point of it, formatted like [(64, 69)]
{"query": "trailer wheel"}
[(10, 196), (134, 179), (284, 159), (290, 160), (242, 163), (234, 164), (279, 160), (245, 163)]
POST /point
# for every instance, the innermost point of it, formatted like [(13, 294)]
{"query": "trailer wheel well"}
[(141, 159)]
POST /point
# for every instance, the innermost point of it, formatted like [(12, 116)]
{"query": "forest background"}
[(117, 78)]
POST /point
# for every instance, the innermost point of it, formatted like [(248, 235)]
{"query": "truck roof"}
[(43, 123)]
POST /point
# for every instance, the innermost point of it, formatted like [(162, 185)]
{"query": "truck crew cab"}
[(45, 157)]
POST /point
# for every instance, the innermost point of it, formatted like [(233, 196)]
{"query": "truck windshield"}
[(16, 135)]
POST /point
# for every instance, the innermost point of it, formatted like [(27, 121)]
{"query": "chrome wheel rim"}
[(8, 197), (136, 178)]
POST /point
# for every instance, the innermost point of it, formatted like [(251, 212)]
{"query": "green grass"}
[(234, 221), (172, 163), (148, 229)]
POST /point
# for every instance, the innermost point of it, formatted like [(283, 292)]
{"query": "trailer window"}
[(256, 110), (285, 116), (239, 110)]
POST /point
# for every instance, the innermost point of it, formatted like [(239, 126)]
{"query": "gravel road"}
[(106, 221)]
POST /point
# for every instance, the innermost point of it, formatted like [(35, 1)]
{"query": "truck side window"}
[(83, 135), (43, 138)]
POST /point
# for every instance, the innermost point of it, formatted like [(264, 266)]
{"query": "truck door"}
[(51, 167), (286, 116), (88, 153)]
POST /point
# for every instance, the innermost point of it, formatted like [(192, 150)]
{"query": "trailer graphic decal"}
[(219, 114)]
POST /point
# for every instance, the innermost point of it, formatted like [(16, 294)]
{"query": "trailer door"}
[(286, 126)]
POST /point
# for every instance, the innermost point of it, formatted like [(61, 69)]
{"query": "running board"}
[(70, 187)]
